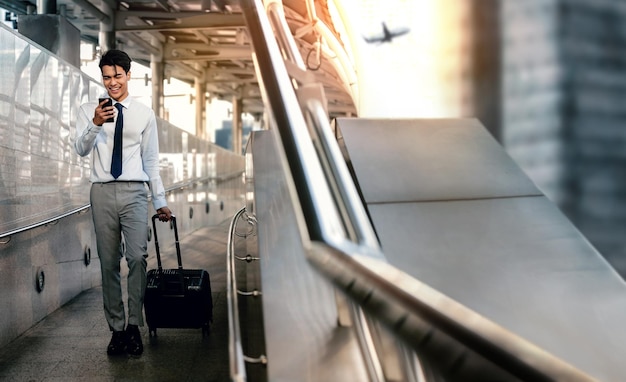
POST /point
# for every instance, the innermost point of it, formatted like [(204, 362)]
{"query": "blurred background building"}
[(563, 115)]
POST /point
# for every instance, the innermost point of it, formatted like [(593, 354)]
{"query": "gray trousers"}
[(121, 208)]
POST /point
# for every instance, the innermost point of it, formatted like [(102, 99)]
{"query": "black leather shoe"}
[(117, 344), (133, 340)]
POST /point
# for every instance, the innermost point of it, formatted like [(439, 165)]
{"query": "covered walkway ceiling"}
[(196, 39)]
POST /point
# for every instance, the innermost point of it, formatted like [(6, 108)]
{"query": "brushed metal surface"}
[(302, 338), (503, 250), (431, 159)]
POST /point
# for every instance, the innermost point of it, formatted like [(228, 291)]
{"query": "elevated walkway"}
[(70, 344), (450, 208)]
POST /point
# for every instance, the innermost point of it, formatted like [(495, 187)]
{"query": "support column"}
[(211, 124), (47, 7), (106, 35), (200, 86), (237, 133), (158, 76)]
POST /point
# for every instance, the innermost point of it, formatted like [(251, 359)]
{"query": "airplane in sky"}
[(387, 35)]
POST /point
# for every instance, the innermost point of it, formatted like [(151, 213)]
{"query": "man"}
[(119, 198)]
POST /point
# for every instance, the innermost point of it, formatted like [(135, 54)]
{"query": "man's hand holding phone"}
[(104, 112)]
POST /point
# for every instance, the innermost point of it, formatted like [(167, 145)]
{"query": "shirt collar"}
[(126, 102)]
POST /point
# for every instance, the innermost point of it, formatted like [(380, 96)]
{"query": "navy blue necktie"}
[(116, 160)]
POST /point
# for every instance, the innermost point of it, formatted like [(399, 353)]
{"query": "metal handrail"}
[(356, 222), (292, 127), (42, 223), (177, 186), (342, 249), (181, 185), (349, 205), (276, 14), (328, 217), (235, 350), (431, 322), (352, 209)]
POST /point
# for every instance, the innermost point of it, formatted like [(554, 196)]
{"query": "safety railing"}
[(5, 237), (334, 213), (343, 247), (235, 350), (193, 182), (237, 357)]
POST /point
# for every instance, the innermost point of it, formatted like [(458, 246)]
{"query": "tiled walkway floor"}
[(70, 344)]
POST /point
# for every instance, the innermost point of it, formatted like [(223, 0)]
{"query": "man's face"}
[(115, 80)]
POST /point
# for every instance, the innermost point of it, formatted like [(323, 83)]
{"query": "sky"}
[(408, 71)]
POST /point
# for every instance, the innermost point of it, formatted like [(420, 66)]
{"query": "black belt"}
[(122, 181)]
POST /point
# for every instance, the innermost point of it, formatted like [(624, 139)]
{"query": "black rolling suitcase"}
[(177, 298)]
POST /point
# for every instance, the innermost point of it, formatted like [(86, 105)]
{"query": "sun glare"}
[(407, 76)]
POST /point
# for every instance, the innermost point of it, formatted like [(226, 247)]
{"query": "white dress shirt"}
[(140, 152)]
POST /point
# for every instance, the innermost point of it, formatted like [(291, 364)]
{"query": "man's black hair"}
[(115, 57)]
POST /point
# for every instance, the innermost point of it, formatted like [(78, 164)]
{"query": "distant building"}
[(561, 76), (224, 135), (547, 78)]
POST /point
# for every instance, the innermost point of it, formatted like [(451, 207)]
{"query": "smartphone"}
[(108, 103)]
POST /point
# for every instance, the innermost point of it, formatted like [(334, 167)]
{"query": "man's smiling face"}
[(116, 81)]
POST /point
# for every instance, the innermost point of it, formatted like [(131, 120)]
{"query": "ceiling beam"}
[(170, 21), (151, 49), (164, 4), (236, 81), (186, 68), (225, 73), (201, 36), (92, 10), (189, 51)]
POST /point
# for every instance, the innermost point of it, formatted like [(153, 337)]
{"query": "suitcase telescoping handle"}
[(156, 241)]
